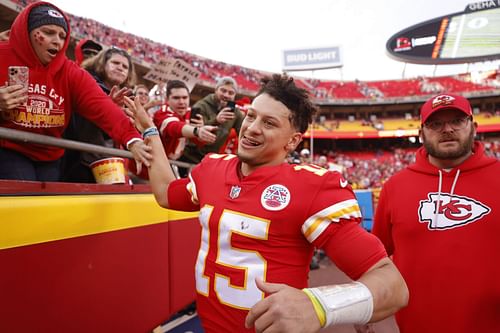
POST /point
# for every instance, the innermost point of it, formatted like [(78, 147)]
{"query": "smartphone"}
[(231, 105), (194, 113), (19, 75)]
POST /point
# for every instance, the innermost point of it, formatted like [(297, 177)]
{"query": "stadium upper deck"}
[(147, 52)]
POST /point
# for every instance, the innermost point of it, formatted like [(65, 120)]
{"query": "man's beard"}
[(462, 150)]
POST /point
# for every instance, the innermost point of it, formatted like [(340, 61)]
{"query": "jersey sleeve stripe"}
[(316, 224), (167, 121), (191, 187)]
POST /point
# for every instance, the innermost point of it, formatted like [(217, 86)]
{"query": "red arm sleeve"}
[(352, 248), (179, 197), (170, 126)]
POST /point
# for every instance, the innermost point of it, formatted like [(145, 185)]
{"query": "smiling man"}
[(439, 218), (261, 219)]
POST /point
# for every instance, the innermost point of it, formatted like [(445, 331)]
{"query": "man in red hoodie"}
[(38, 40), (440, 219)]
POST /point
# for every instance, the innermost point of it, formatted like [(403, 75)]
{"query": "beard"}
[(464, 148)]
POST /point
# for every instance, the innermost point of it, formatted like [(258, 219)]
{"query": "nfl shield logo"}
[(235, 192)]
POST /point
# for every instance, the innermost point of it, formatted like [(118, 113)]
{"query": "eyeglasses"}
[(456, 124)]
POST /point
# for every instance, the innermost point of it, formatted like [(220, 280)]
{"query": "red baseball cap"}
[(445, 101)]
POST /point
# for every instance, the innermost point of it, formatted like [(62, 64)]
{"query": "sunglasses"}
[(90, 52)]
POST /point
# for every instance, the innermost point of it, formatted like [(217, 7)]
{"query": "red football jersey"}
[(266, 225), (170, 125)]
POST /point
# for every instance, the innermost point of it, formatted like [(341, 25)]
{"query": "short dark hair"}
[(175, 84), (283, 89)]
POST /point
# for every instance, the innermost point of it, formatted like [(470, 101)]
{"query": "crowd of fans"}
[(362, 172), (492, 148), (148, 52), (367, 171)]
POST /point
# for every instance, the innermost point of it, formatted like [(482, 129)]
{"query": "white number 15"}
[(248, 261)]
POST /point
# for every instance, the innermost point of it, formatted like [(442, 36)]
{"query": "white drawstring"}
[(454, 182), (436, 213)]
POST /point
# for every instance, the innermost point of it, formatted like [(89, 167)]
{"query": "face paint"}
[(46, 41), (39, 37)]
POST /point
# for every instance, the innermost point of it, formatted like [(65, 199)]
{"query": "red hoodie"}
[(443, 229), (79, 57), (55, 91), (78, 51)]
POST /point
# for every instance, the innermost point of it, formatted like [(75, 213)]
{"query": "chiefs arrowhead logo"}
[(442, 100), (454, 211)]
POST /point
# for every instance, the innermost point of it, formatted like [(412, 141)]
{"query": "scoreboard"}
[(469, 36)]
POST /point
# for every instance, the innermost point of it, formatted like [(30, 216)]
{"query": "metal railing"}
[(28, 137)]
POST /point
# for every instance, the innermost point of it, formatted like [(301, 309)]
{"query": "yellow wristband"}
[(318, 308)]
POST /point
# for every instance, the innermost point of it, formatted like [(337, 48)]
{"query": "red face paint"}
[(39, 37)]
